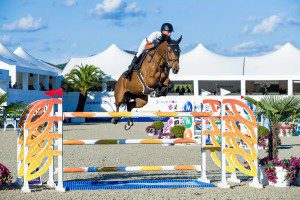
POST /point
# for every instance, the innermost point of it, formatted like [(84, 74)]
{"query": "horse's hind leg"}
[(137, 103), (119, 99), (115, 120)]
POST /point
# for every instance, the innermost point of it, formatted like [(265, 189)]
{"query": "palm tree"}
[(278, 109), (13, 109), (83, 78)]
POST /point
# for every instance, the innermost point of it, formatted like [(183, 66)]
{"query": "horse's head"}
[(173, 54)]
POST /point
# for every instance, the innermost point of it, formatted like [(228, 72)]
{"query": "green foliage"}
[(262, 131), (293, 125), (178, 131), (3, 98), (277, 108), (158, 125), (12, 110), (83, 78)]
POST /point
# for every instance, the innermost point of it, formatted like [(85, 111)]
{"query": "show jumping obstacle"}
[(39, 145)]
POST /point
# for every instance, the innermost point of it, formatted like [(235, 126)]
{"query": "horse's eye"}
[(169, 51)]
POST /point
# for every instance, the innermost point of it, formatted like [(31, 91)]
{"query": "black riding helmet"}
[(166, 27)]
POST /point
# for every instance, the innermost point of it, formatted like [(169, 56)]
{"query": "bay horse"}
[(151, 78)]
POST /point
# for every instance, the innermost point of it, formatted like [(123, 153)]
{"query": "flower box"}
[(281, 180)]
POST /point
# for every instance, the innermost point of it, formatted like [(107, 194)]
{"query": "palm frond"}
[(277, 108), (3, 98), (85, 77)]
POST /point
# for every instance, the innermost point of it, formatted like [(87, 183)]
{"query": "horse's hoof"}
[(130, 122), (127, 127), (114, 120)]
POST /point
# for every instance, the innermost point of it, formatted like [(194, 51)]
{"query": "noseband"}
[(168, 61)]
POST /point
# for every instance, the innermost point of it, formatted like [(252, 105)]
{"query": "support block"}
[(223, 185)]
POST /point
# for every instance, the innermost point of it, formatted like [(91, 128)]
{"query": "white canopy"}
[(26, 56), (22, 64), (113, 61), (202, 62), (284, 61)]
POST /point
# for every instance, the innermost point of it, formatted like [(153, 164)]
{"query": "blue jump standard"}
[(135, 184)]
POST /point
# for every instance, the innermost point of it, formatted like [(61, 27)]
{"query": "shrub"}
[(178, 131), (5, 175), (262, 131), (158, 125)]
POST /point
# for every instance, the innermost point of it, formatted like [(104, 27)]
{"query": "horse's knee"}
[(170, 86)]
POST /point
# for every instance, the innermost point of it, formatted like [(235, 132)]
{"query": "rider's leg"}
[(129, 72)]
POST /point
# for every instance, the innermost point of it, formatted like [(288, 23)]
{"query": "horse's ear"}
[(179, 40)]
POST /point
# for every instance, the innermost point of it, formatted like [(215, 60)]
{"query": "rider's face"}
[(167, 33)]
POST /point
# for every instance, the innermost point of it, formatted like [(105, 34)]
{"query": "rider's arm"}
[(152, 39), (149, 45)]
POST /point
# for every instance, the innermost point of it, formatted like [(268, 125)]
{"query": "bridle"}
[(168, 61)]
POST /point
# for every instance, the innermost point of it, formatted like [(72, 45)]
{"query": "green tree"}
[(12, 110), (278, 109), (83, 78)]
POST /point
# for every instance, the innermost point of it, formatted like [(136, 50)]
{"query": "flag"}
[(205, 93), (224, 92), (52, 93)]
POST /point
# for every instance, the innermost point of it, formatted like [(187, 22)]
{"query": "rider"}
[(151, 41)]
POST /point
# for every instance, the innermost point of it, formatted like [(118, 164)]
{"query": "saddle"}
[(140, 61), (142, 57)]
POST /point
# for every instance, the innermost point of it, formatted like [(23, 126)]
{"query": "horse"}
[(151, 78)]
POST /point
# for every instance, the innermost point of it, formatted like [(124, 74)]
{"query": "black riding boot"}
[(127, 74)]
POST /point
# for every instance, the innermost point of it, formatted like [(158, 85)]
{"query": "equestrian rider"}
[(151, 41)]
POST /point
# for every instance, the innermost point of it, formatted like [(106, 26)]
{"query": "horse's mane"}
[(161, 44)]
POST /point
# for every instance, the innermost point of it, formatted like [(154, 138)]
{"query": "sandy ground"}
[(131, 155)]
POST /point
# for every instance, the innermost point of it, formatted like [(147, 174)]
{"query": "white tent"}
[(113, 61), (4, 52), (26, 72), (200, 61), (284, 61), (41, 65), (10, 63)]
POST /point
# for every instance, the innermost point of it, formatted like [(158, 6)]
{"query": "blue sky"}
[(55, 30)]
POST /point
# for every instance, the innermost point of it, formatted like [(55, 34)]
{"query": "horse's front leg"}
[(167, 86)]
